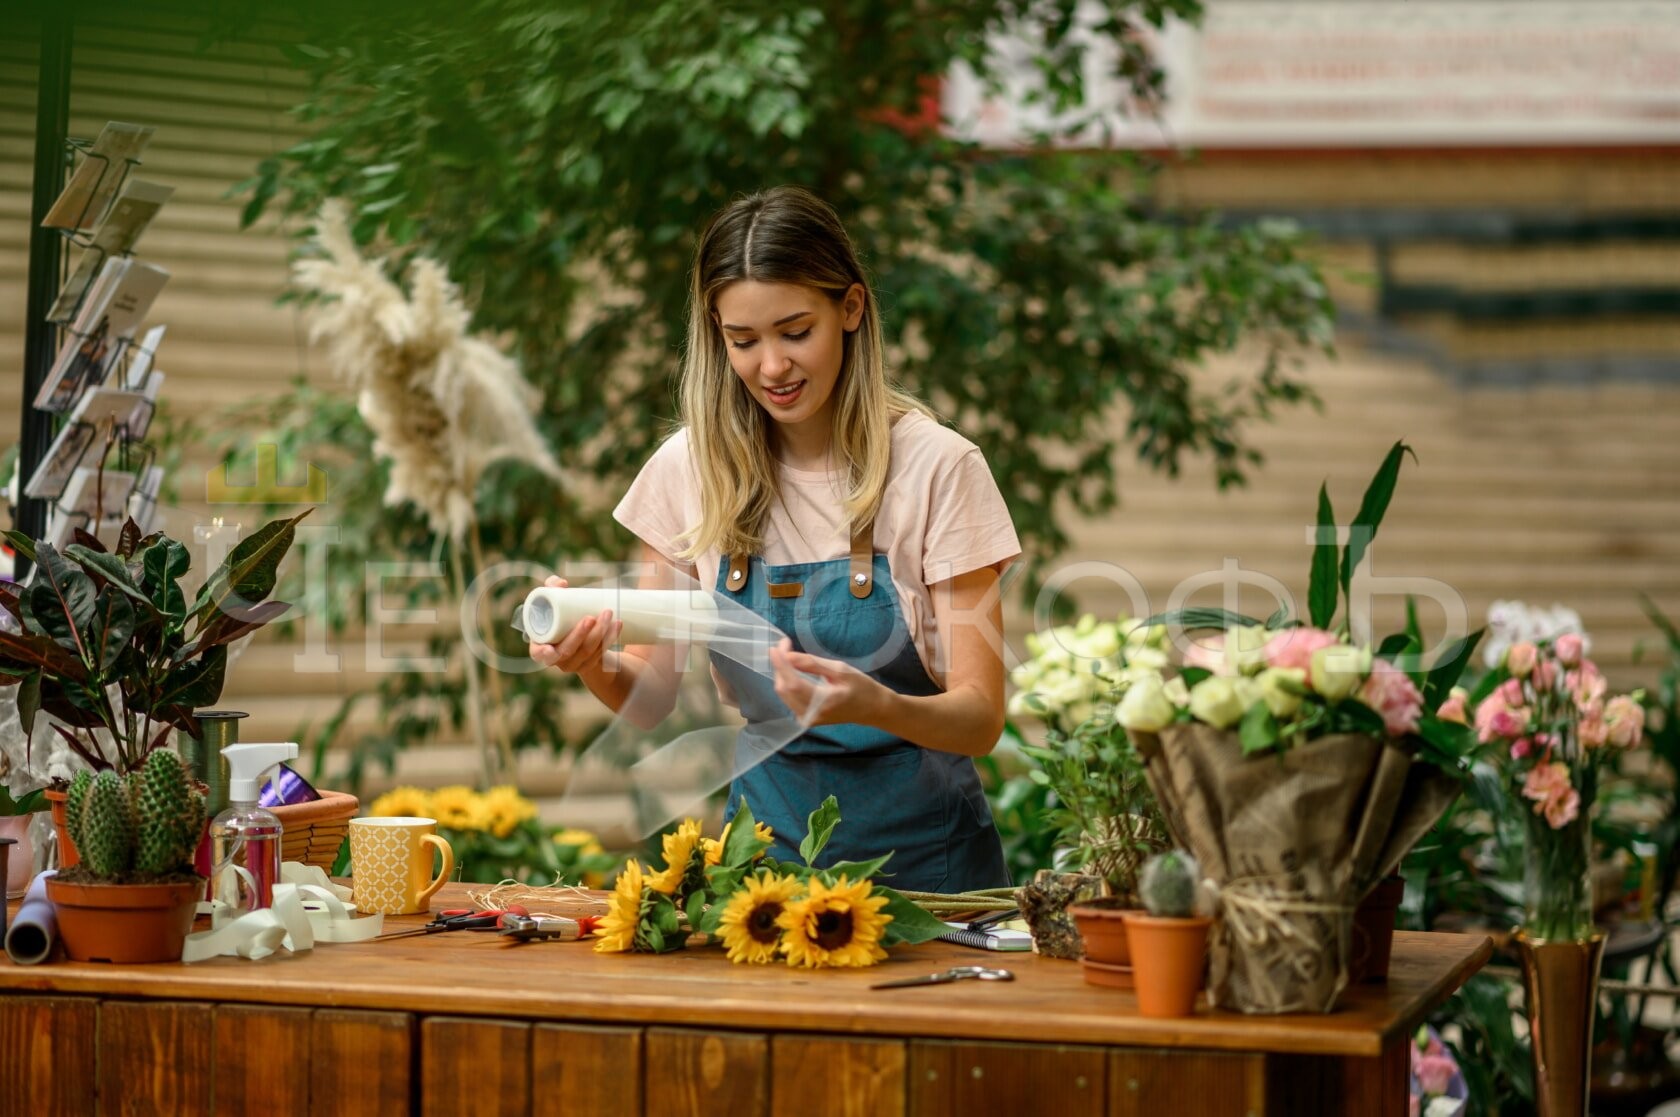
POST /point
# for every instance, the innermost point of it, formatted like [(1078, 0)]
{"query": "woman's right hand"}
[(582, 647)]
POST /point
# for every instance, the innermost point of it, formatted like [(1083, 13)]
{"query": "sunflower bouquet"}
[(726, 890), (496, 835)]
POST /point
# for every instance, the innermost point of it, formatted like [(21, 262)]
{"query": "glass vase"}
[(1557, 880)]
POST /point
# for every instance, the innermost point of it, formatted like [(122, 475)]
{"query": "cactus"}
[(1167, 885), (169, 813), (146, 824), (107, 844), (73, 800)]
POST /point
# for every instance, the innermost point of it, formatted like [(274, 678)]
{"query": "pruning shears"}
[(461, 919)]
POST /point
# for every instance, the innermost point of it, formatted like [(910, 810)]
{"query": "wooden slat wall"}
[(1550, 494)]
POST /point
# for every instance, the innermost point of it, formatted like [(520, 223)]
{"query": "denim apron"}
[(925, 806)]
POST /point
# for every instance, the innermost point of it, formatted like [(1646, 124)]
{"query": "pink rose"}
[(1545, 675), (1435, 1074), (1562, 811), (1568, 648), (1453, 708), (1390, 692), (1593, 731), (1208, 655), (1512, 692), (1520, 657), (1495, 720), (1293, 647), (1626, 721), (1586, 683), (1521, 747)]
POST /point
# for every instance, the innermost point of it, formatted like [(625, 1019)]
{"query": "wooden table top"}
[(478, 974)]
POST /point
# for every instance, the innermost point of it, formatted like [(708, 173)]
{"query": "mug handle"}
[(424, 899)]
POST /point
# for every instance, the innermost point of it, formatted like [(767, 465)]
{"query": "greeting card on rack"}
[(108, 411), (116, 236), (115, 306), (93, 500), (95, 181), (140, 366)]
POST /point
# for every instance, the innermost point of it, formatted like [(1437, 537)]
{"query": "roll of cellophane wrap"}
[(650, 616), (679, 736), (34, 930)]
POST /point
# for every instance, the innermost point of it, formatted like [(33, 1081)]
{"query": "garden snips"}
[(945, 977)]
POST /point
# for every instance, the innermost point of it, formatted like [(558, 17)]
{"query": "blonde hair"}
[(782, 235)]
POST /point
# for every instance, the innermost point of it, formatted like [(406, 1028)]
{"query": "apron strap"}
[(738, 566), (863, 560)]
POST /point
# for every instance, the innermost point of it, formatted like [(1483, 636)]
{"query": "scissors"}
[(955, 973), (460, 919)]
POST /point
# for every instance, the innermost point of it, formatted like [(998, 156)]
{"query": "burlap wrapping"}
[(1289, 842)]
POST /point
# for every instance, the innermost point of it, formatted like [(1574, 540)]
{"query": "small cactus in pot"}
[(1167, 885), (145, 826), (1169, 945)]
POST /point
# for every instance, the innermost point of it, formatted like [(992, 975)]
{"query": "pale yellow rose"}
[(1146, 707), (1281, 689), (1177, 693), (1215, 701), (1337, 671)]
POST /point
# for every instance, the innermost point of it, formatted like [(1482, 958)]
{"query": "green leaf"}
[(1448, 669), (22, 544), (225, 628), (195, 683), (29, 701), (31, 650), (1258, 730), (129, 538), (248, 574), (695, 908), (1360, 718), (1321, 586), (910, 924), (853, 871), (1456, 741), (821, 826), (162, 563), (743, 843), (60, 601), (113, 569), (1371, 511), (110, 631), (1199, 618)]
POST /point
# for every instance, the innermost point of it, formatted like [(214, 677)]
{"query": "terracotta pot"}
[(20, 864), (1171, 955), (1373, 931), (124, 922), (1107, 956), (67, 855)]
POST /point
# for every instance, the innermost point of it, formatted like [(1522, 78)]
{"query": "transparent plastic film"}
[(702, 712)]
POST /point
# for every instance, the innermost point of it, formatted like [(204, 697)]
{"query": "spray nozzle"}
[(248, 765)]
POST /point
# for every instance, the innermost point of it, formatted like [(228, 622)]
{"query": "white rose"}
[(1146, 706), (1177, 692), (1338, 670), (1281, 689), (1153, 658), (1214, 700), (1248, 646)]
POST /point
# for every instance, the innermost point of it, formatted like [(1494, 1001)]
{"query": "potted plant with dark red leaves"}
[(110, 646)]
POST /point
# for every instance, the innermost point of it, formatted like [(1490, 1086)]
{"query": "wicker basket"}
[(313, 832)]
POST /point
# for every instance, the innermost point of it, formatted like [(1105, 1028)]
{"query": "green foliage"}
[(561, 160), (27, 803), (93, 619), (1020, 806), (1167, 884), (823, 820), (1105, 809)]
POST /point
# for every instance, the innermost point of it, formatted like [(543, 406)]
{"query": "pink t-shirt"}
[(941, 515)]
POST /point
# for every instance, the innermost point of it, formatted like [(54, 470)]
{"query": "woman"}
[(808, 489)]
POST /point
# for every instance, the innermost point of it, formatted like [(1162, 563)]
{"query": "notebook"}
[(992, 938)]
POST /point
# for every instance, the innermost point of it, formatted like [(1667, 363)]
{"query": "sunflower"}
[(616, 932), (714, 846), (680, 848), (402, 802), (838, 925), (507, 809), (460, 808), (749, 925)]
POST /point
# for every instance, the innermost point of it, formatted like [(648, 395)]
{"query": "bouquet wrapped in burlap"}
[(1289, 842)]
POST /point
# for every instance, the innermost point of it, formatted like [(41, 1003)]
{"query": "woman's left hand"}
[(852, 696)]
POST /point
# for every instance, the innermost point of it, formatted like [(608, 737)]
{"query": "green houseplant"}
[(132, 897), (1171, 940), (15, 817), (113, 650)]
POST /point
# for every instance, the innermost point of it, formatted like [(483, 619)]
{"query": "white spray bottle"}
[(245, 838)]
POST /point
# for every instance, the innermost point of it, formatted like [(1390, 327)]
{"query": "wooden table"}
[(466, 1023)]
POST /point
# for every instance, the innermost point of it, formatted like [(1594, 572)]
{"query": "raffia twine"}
[(1270, 955)]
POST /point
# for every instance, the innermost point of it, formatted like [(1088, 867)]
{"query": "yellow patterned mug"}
[(391, 864)]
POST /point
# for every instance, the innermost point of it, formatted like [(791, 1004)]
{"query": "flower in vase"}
[(402, 802), (1569, 647), (507, 809), (1548, 787), (1495, 720), (1282, 689), (1545, 675), (1521, 747), (1391, 693), (1146, 707), (1624, 719), (1454, 709), (1586, 684), (1338, 671), (1240, 651), (1593, 730), (750, 924), (1215, 701), (1520, 658)]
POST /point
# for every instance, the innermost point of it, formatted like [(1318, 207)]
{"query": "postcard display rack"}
[(99, 468)]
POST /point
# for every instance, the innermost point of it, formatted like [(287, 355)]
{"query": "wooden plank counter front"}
[(465, 1023)]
